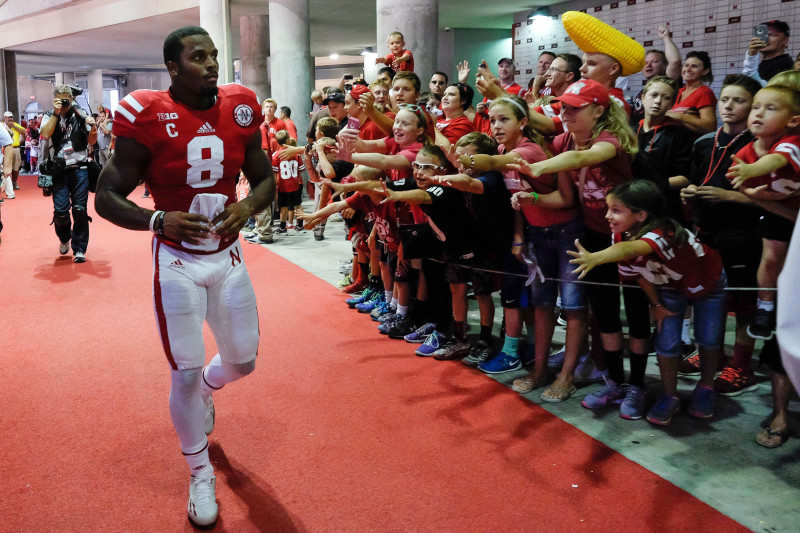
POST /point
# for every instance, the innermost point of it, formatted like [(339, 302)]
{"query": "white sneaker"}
[(586, 371), (63, 248), (202, 508), (208, 405), (79, 257)]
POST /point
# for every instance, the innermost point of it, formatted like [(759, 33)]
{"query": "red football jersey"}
[(785, 180), (192, 151), (694, 268), (287, 173)]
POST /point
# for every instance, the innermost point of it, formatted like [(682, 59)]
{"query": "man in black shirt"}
[(774, 58)]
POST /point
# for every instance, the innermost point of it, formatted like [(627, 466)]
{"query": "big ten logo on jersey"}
[(288, 169)]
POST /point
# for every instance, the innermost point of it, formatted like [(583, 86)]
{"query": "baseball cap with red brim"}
[(585, 92)]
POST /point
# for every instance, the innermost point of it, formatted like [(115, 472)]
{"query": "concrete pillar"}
[(290, 58), (215, 18), (418, 21), (67, 78), (95, 95), (370, 68), (10, 71), (254, 30)]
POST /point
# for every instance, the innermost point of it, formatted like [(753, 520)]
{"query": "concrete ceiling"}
[(341, 26)]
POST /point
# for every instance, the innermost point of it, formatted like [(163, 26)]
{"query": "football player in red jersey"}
[(189, 143)]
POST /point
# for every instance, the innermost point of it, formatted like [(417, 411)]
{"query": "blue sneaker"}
[(632, 407), (434, 341), (421, 333), (608, 393), (370, 304), (502, 362), (702, 405), (363, 297), (664, 409), (382, 309)]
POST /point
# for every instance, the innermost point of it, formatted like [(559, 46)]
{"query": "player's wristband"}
[(160, 223), (153, 220)]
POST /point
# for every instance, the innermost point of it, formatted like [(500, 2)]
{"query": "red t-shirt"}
[(369, 131), (698, 99), (192, 151), (407, 65), (785, 180), (598, 179), (455, 128), (291, 128), (287, 173), (268, 131), (383, 214), (694, 268), (515, 182)]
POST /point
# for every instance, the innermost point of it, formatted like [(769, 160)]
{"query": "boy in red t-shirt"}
[(289, 181), (769, 166), (398, 58)]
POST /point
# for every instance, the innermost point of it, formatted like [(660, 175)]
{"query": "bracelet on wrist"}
[(535, 196), (657, 304), (518, 244), (153, 218)]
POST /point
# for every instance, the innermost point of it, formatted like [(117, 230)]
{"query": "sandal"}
[(772, 438), (767, 422), (552, 395), (527, 384)]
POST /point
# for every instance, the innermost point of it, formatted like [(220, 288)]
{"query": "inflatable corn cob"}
[(595, 36)]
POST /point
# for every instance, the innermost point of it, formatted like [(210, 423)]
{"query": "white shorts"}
[(189, 289)]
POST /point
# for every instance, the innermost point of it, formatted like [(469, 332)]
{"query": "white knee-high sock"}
[(188, 418)]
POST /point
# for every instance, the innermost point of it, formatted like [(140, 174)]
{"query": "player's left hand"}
[(232, 219)]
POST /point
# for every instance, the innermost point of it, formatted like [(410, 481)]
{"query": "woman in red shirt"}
[(696, 104), (454, 124)]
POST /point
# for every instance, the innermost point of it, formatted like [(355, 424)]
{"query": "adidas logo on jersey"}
[(206, 128), (177, 264)]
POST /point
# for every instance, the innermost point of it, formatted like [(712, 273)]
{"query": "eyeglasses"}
[(551, 70), (426, 167)]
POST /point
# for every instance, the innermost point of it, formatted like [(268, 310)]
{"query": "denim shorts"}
[(709, 319), (550, 246)]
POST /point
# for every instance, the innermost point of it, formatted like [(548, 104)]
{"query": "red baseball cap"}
[(358, 90), (585, 92)]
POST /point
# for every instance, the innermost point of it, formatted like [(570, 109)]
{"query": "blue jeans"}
[(550, 246), (709, 319), (72, 191)]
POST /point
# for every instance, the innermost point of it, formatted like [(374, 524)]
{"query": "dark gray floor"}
[(716, 461)]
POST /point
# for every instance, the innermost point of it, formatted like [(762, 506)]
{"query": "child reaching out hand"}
[(398, 57), (673, 269)]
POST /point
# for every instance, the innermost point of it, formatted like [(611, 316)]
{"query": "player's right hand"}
[(186, 227)]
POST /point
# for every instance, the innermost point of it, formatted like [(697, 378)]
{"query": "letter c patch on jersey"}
[(243, 115), (171, 131)]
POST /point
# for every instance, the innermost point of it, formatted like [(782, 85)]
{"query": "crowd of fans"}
[(677, 195)]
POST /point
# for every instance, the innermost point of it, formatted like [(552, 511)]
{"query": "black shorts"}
[(470, 270), (776, 228), (740, 251), (290, 199)]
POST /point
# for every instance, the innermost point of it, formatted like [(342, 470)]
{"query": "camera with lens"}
[(64, 102)]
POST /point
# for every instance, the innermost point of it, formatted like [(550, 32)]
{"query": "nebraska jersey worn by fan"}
[(287, 173), (694, 268), (192, 151)]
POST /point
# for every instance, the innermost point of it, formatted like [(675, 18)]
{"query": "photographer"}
[(70, 132)]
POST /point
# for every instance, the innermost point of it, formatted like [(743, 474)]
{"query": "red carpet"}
[(338, 430)]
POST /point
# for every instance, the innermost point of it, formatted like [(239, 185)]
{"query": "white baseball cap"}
[(8, 114)]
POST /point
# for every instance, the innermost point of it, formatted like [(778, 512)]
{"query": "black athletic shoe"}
[(402, 328), (763, 325)]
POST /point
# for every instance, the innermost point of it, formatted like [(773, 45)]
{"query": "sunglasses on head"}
[(422, 167), (414, 108)]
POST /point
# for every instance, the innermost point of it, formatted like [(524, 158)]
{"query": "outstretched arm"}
[(620, 251)]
